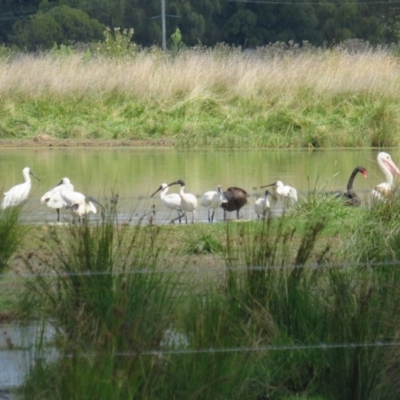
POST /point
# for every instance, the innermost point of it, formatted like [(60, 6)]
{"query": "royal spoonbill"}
[(53, 197), (236, 199), (19, 193), (188, 200), (78, 202), (388, 167), (212, 200), (262, 206), (171, 201), (287, 194), (350, 197)]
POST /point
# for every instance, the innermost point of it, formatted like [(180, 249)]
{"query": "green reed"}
[(311, 319)]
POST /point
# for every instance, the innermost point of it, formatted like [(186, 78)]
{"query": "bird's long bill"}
[(90, 198), (271, 184), (365, 175), (34, 175), (392, 167), (174, 183), (160, 188)]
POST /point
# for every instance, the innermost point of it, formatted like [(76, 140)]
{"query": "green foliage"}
[(202, 243), (59, 25), (11, 234), (117, 43)]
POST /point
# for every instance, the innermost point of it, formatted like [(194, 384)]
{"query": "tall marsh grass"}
[(215, 97), (11, 234), (285, 321)]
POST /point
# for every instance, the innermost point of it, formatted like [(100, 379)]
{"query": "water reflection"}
[(135, 173)]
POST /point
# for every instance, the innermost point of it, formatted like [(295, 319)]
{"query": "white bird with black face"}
[(388, 167), (19, 193), (212, 200), (171, 201), (287, 194), (53, 198), (188, 200), (78, 202), (262, 205)]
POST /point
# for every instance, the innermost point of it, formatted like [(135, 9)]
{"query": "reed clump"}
[(287, 320), (11, 234)]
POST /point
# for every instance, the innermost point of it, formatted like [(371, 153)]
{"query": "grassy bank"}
[(215, 98), (301, 306)]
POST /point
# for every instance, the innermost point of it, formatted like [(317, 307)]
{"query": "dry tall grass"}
[(153, 76)]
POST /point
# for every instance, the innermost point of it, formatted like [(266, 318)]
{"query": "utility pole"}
[(164, 30), (163, 24)]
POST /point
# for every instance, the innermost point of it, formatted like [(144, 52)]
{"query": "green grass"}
[(296, 288), (319, 99), (244, 124)]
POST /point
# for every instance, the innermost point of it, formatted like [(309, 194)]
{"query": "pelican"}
[(53, 197), (171, 201), (388, 167), (212, 200), (19, 193), (188, 200), (236, 199), (350, 197), (286, 193), (262, 206), (77, 202)]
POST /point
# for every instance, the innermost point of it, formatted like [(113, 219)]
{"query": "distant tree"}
[(58, 25), (40, 31)]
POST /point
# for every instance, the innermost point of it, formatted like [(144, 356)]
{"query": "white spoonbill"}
[(262, 206), (287, 194), (19, 193), (78, 202), (212, 200), (188, 200), (388, 167), (171, 201), (53, 197)]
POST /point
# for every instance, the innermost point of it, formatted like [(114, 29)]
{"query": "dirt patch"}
[(48, 141)]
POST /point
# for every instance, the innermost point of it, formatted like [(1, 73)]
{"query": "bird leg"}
[(58, 215), (178, 217), (212, 216)]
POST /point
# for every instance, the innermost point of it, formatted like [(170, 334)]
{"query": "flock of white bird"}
[(60, 196), (233, 199)]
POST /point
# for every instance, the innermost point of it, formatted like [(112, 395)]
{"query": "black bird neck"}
[(351, 179)]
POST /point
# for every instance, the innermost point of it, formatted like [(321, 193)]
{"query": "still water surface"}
[(135, 173)]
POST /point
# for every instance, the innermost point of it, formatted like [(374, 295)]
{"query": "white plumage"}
[(286, 193), (19, 193), (262, 205), (212, 200), (77, 202), (188, 200), (53, 198), (388, 167), (171, 201)]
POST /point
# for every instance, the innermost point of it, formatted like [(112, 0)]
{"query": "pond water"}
[(17, 352), (135, 173)]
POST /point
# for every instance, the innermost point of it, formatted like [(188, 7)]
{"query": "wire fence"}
[(217, 269), (182, 349)]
